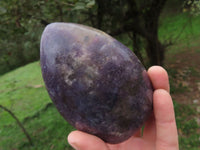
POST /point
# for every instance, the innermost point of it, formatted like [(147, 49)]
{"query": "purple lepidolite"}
[(97, 84)]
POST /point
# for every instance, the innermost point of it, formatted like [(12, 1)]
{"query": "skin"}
[(160, 131)]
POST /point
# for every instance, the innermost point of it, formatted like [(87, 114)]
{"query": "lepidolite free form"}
[(97, 84)]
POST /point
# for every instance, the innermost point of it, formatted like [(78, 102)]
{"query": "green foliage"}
[(193, 6), (16, 31), (83, 4), (22, 23), (180, 28)]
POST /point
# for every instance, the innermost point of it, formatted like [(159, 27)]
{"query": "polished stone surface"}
[(97, 84)]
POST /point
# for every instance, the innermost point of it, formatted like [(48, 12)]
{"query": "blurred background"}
[(160, 32)]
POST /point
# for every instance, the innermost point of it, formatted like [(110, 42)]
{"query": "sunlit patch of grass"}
[(23, 92)]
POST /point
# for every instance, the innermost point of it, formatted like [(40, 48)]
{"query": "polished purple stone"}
[(97, 84)]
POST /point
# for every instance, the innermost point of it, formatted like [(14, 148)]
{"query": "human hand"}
[(160, 132)]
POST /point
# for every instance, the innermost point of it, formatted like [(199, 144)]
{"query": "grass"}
[(22, 91), (180, 29), (48, 131)]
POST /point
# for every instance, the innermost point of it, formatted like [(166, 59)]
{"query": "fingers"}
[(159, 78), (166, 131), (162, 128), (83, 141)]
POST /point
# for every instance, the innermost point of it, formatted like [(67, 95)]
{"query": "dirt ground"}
[(185, 77)]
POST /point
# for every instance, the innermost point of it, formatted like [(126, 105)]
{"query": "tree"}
[(138, 19), (22, 23)]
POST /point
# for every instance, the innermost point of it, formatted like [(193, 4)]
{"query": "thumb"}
[(83, 141)]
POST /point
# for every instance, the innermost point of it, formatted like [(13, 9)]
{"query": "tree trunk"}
[(155, 51), (137, 47), (100, 11), (154, 48)]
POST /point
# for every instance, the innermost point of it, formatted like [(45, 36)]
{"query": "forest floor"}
[(184, 75), (184, 72)]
